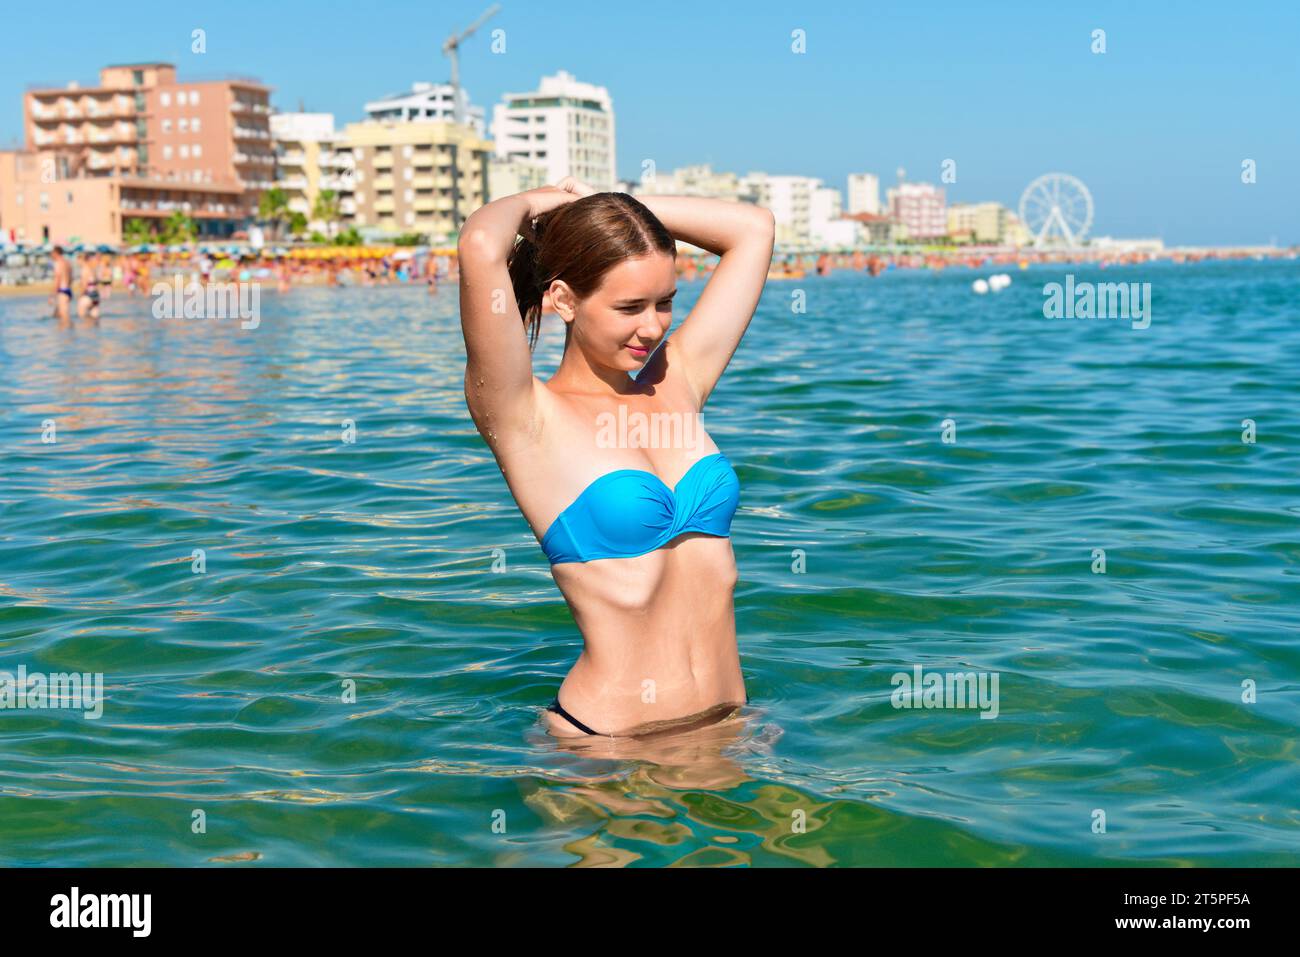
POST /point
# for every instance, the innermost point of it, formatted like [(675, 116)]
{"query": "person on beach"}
[(431, 273), (62, 298), (88, 304), (106, 275), (637, 532)]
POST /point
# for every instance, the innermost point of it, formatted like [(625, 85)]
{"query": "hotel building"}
[(790, 198), (414, 177), (920, 208), (427, 101), (147, 144), (565, 126), (864, 193), (308, 160), (696, 180)]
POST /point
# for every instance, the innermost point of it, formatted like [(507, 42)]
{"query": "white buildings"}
[(509, 176), (790, 200), (807, 213), (564, 125), (427, 101), (308, 160), (697, 180), (826, 228), (864, 193), (920, 208)]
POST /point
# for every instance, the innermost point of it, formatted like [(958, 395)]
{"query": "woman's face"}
[(619, 324)]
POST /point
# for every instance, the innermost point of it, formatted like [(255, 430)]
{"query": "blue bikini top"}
[(630, 512)]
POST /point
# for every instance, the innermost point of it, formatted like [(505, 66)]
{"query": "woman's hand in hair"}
[(574, 185), (546, 198)]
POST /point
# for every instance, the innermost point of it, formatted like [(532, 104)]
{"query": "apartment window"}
[(196, 151), (194, 124), (408, 151), (180, 98), (360, 198), (137, 77), (166, 126), (185, 151), (45, 202), (165, 99), (194, 97), (408, 173), (361, 176), (359, 152), (410, 195), (183, 125), (410, 218), (167, 152)]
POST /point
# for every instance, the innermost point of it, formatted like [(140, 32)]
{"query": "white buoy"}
[(979, 287), (999, 281)]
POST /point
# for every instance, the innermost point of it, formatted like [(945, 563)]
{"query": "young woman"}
[(636, 531)]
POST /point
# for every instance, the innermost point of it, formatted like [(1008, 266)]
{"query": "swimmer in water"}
[(62, 284), (637, 532)]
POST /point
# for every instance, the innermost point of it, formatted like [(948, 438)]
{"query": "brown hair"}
[(578, 243)]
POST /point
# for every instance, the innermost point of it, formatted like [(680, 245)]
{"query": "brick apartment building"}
[(140, 145)]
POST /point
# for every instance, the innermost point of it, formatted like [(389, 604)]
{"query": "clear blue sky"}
[(1157, 126)]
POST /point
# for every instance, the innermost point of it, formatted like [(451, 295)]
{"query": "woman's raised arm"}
[(498, 363), (743, 236)]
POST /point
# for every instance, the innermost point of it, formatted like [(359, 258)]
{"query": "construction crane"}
[(451, 45)]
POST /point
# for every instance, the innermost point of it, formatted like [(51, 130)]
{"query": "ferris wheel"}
[(1056, 208)]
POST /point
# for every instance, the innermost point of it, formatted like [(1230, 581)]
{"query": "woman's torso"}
[(659, 628)]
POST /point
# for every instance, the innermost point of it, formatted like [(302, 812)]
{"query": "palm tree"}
[(136, 232), (273, 207), (326, 209), (297, 224), (178, 228)]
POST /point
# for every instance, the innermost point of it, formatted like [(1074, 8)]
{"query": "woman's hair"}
[(578, 243)]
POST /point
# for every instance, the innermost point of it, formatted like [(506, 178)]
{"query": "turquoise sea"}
[(867, 546)]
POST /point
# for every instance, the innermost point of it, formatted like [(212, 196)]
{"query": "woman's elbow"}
[(766, 221)]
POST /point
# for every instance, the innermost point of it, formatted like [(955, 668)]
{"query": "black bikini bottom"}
[(559, 709)]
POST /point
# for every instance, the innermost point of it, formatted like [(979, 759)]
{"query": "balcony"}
[(383, 184), (422, 182), (347, 207), (383, 161), (294, 182), (384, 205)]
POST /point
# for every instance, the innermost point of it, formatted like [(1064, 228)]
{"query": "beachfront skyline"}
[(1157, 126)]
